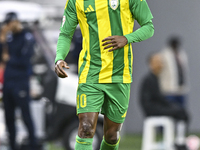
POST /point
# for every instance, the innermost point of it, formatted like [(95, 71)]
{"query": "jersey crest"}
[(114, 4)]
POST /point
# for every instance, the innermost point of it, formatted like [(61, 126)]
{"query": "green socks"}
[(83, 144), (106, 146), (86, 144)]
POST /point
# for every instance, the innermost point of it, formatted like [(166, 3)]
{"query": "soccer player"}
[(105, 62)]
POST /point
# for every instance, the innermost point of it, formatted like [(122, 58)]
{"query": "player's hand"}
[(60, 64), (115, 42)]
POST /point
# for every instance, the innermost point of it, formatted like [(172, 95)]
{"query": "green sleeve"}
[(141, 12), (146, 31), (67, 29)]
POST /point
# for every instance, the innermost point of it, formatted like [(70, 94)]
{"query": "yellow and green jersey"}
[(99, 19)]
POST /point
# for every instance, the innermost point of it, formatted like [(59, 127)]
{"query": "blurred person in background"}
[(174, 78), (105, 62), (153, 102), (16, 47)]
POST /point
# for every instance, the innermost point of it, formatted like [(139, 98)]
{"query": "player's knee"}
[(86, 130), (111, 137)]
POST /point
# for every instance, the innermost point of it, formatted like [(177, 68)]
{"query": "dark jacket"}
[(20, 48), (151, 98)]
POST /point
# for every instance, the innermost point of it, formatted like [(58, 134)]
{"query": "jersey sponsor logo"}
[(63, 21), (124, 115), (114, 4), (89, 9)]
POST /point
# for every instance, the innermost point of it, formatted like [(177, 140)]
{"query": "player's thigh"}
[(90, 98), (110, 126), (116, 102)]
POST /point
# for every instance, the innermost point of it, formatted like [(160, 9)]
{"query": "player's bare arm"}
[(114, 41), (60, 64)]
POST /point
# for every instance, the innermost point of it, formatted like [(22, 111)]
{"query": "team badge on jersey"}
[(114, 4)]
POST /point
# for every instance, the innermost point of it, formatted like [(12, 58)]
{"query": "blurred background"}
[(56, 108)]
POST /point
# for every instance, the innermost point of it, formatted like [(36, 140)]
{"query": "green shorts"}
[(110, 99)]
